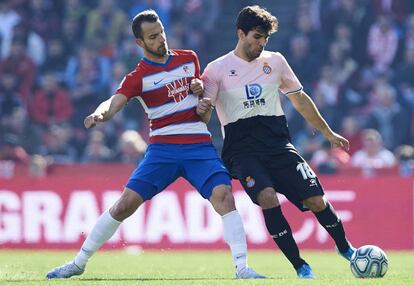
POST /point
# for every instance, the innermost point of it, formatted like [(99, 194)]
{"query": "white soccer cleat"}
[(248, 273), (65, 271)]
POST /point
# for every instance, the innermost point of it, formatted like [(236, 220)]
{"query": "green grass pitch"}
[(21, 268)]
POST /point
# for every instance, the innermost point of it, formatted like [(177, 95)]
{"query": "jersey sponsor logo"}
[(252, 103), (253, 91), (250, 182), (178, 89), (266, 68)]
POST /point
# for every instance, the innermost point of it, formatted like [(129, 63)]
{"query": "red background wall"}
[(57, 211)]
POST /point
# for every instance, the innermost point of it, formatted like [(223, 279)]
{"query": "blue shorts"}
[(164, 163)]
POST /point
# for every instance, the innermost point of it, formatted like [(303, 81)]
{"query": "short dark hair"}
[(145, 16), (256, 17)]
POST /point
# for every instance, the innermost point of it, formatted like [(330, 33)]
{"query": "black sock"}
[(281, 233), (333, 225)]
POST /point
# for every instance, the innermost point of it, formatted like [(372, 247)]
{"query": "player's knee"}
[(267, 198), (315, 204), (126, 205), (228, 200), (222, 199)]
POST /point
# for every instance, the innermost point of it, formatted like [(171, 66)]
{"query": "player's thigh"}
[(150, 178), (252, 174), (206, 174), (293, 177)]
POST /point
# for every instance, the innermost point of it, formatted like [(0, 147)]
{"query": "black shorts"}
[(288, 173)]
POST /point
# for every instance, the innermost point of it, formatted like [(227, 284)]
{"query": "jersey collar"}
[(159, 64)]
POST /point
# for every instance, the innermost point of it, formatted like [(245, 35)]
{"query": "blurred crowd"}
[(59, 59), (356, 59)]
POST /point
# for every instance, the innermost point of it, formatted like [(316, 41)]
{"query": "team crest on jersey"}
[(266, 68), (250, 182), (178, 89), (186, 69)]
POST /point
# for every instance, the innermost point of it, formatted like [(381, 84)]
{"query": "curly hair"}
[(256, 17)]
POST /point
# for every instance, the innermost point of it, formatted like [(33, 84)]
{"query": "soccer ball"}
[(369, 261)]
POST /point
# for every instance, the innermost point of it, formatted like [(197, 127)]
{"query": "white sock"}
[(235, 237), (103, 230)]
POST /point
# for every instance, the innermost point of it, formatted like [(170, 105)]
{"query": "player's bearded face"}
[(160, 50), (154, 41)]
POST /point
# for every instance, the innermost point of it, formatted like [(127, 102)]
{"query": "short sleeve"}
[(197, 66), (289, 83), (130, 86), (211, 83)]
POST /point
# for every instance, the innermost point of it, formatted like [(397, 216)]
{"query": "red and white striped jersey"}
[(164, 92)]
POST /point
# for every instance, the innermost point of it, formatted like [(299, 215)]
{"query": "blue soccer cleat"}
[(248, 273), (65, 271), (347, 254), (305, 272)]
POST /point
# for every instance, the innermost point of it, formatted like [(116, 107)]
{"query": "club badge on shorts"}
[(250, 182), (266, 68)]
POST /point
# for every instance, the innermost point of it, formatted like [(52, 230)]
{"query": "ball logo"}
[(266, 68), (253, 91), (250, 182)]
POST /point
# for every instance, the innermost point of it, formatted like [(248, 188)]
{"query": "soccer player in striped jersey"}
[(244, 86), (167, 84)]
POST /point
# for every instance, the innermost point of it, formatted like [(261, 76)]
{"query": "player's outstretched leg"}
[(281, 233), (279, 229), (103, 230), (328, 218)]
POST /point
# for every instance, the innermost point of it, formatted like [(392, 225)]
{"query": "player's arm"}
[(204, 109), (204, 106), (106, 110), (307, 108)]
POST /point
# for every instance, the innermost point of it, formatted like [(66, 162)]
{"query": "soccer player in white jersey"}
[(167, 84), (244, 87)]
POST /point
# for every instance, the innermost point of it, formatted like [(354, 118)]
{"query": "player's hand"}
[(92, 119), (338, 141), (204, 106), (196, 86)]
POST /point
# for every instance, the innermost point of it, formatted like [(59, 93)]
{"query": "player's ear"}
[(139, 42), (240, 34)]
